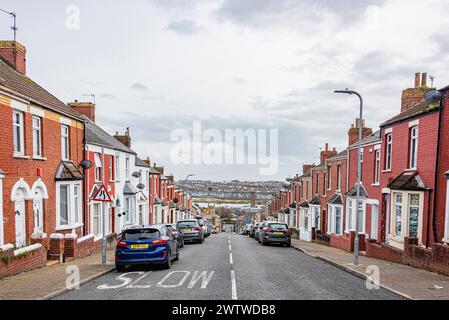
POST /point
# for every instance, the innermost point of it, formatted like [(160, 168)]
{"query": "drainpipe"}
[(437, 170)]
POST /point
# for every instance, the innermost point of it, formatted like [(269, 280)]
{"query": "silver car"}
[(191, 230)]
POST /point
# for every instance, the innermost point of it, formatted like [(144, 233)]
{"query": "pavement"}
[(229, 266), (409, 282), (47, 282)]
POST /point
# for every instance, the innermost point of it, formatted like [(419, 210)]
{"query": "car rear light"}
[(288, 231), (121, 244), (197, 229), (160, 241), (267, 230)]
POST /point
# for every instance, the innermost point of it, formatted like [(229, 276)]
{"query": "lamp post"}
[(359, 171)]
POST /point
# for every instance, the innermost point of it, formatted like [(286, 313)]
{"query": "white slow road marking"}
[(233, 282)]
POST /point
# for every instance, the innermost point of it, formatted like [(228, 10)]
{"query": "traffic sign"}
[(102, 195)]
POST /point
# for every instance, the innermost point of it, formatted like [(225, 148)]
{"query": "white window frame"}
[(111, 167), (128, 168), (376, 166), (397, 205), (130, 208), (388, 151), (117, 168), (72, 224), (97, 168), (37, 136), (329, 178), (413, 151), (21, 138), (65, 142), (351, 211), (338, 177)]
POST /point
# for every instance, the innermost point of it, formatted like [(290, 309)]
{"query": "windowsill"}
[(70, 227), (385, 171), (39, 158), (21, 156), (375, 184), (410, 169)]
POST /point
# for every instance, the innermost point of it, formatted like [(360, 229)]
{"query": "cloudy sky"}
[(158, 65)]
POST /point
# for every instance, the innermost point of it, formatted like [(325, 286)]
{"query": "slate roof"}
[(408, 180), (292, 205), (287, 211), (141, 163), (373, 137), (417, 110), (304, 204), (319, 167), (68, 171), (315, 201), (353, 192), (96, 135), (129, 189), (336, 199), (157, 200), (13, 80), (342, 154)]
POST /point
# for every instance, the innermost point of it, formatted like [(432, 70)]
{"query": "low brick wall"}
[(320, 236), (21, 260), (346, 242), (75, 247), (432, 259), (383, 251)]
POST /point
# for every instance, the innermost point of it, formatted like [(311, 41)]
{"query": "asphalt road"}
[(229, 266)]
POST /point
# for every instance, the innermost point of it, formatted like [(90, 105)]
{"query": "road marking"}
[(180, 283), (234, 286), (230, 259), (205, 278), (230, 248)]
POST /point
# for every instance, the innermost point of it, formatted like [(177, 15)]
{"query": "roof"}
[(96, 135), (319, 167), (23, 85), (304, 204), (340, 155), (418, 109), (129, 189), (373, 137), (287, 210), (141, 163), (292, 205), (307, 174), (336, 199), (315, 201), (68, 171), (408, 180), (157, 200), (353, 192)]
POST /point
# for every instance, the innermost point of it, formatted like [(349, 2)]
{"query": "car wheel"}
[(288, 244), (264, 243), (167, 264), (120, 268)]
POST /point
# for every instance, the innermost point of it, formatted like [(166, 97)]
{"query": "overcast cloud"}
[(158, 65)]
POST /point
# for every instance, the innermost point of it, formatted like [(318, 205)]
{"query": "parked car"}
[(203, 224), (275, 232), (247, 229), (191, 230), (209, 228), (257, 230), (177, 234), (253, 230), (154, 244)]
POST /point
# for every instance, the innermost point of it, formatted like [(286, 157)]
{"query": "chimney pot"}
[(15, 55), (424, 80), (417, 79)]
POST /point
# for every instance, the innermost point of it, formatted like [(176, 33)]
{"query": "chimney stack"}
[(353, 133), (306, 167), (124, 138), (412, 96), (14, 54), (84, 108), (147, 161), (326, 154)]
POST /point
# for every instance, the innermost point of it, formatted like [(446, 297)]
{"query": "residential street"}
[(261, 272)]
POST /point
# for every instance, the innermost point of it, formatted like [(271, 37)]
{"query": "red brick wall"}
[(383, 251), (15, 265), (346, 242), (16, 168)]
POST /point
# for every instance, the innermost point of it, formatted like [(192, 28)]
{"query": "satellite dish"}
[(175, 200), (136, 174), (141, 186), (86, 164), (433, 96)]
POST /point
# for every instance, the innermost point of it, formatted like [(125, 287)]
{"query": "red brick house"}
[(40, 154)]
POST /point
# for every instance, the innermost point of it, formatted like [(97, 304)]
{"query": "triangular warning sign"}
[(102, 195)]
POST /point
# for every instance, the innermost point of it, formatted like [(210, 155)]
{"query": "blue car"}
[(154, 244)]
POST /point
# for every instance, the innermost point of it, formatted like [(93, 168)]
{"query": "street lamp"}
[(188, 176), (359, 172)]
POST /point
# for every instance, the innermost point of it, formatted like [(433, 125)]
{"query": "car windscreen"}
[(277, 226), (141, 234), (186, 224)]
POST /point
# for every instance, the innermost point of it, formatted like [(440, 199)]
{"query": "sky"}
[(159, 65)]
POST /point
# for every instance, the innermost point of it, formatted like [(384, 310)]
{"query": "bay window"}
[(413, 215), (69, 206), (397, 223), (351, 205)]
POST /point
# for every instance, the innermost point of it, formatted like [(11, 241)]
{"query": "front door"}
[(20, 220), (374, 221)]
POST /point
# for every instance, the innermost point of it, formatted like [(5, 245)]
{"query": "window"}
[(127, 169), (349, 217), (339, 177), (329, 177), (324, 184), (376, 166), (388, 151), (317, 218), (37, 137), (64, 205), (111, 167), (413, 214), (155, 185), (338, 219), (117, 167), (96, 213), (141, 211), (76, 202), (97, 162), (397, 214), (307, 189), (413, 153), (317, 184), (18, 133), (65, 153)]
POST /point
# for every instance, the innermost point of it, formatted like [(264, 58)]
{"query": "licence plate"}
[(187, 230), (277, 232), (139, 246)]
